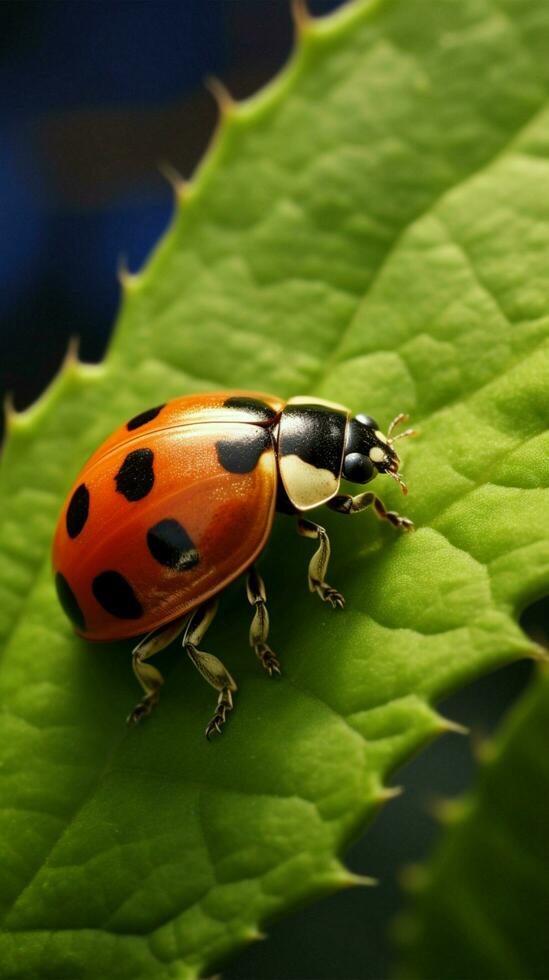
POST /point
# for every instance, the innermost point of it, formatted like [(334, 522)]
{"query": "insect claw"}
[(213, 726)]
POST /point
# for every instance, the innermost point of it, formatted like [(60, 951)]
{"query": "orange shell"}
[(178, 481)]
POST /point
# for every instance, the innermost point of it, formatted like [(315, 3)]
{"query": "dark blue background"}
[(93, 97)]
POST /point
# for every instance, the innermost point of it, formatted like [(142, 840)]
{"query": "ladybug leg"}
[(210, 667), (149, 677), (318, 564), (345, 504), (259, 629)]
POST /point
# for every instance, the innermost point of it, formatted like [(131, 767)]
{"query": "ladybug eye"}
[(357, 468), (367, 420)]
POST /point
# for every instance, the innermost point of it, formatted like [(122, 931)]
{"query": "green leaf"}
[(480, 906), (372, 227)]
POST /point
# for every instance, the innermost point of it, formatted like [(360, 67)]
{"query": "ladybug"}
[(180, 501)]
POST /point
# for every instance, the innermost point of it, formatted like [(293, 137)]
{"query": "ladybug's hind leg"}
[(210, 667), (149, 677), (318, 565), (259, 629)]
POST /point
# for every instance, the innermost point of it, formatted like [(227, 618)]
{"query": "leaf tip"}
[(177, 183), (11, 418), (223, 98), (253, 935), (71, 358), (446, 811), (539, 653), (447, 725), (349, 879), (483, 748), (10, 413), (128, 280), (388, 793), (301, 16)]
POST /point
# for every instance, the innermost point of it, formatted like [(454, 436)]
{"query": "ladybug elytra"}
[(180, 501)]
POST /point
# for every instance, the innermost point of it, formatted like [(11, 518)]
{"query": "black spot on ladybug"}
[(77, 511), (135, 478), (143, 418), (241, 453), (69, 602), (116, 595), (257, 410), (169, 543)]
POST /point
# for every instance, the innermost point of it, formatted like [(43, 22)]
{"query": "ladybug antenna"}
[(398, 419)]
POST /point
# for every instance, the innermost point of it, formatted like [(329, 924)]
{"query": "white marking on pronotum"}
[(306, 485), (380, 436)]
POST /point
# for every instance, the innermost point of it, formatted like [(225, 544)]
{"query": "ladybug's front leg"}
[(345, 504), (149, 677), (210, 667), (318, 565), (259, 629)]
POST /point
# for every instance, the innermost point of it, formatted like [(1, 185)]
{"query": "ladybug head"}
[(369, 452)]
